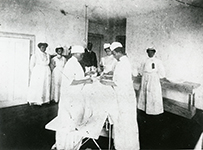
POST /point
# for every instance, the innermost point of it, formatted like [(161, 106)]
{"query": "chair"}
[(105, 130)]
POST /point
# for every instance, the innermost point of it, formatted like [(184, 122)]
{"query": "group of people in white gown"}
[(151, 71), (46, 74), (68, 79)]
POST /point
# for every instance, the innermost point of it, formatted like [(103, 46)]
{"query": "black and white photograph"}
[(101, 74)]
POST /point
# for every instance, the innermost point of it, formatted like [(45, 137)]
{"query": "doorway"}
[(15, 52), (121, 39), (97, 41)]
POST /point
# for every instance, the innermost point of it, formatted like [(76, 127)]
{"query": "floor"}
[(22, 128)]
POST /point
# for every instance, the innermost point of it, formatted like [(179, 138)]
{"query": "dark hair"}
[(40, 44), (107, 48), (151, 49), (89, 45), (58, 48), (120, 50)]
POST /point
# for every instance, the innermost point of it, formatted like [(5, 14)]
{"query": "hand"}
[(103, 81), (110, 73), (165, 79), (107, 82), (87, 73)]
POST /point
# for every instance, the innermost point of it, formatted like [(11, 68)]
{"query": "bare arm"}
[(52, 64), (82, 81), (107, 82)]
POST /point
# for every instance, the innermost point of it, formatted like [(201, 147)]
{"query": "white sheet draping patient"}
[(99, 102)]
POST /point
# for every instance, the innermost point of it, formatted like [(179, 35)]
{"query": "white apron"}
[(40, 81), (150, 96), (56, 77)]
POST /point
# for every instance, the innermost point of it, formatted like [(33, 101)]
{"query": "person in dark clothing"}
[(89, 60)]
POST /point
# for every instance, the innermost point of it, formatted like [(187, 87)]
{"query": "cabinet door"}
[(14, 71)]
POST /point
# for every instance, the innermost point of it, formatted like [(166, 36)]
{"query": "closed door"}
[(14, 68)]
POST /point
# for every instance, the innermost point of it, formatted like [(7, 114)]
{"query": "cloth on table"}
[(100, 101)]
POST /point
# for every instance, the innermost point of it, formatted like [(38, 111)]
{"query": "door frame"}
[(21, 36), (31, 39)]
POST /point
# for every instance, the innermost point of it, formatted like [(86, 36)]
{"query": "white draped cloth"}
[(58, 64), (150, 97), (99, 101), (83, 109), (126, 136), (40, 81), (71, 107)]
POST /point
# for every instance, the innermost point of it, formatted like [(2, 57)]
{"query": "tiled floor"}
[(22, 128)]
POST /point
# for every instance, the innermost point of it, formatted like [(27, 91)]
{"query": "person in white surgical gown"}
[(126, 136), (40, 81), (57, 65), (108, 62), (150, 96), (71, 104)]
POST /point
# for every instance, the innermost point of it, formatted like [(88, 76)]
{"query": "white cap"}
[(77, 49), (106, 45), (65, 47), (115, 45)]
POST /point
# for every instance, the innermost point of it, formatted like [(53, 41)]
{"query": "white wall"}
[(177, 36), (25, 17), (47, 25)]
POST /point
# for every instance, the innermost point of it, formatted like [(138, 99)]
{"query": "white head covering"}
[(65, 47), (107, 45), (115, 45), (77, 49)]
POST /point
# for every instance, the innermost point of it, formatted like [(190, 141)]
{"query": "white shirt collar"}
[(122, 57)]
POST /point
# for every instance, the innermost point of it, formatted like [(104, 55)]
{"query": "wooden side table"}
[(188, 109)]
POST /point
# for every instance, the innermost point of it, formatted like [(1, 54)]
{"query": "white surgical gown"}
[(40, 81), (125, 125), (150, 97), (58, 64), (109, 63), (71, 107)]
